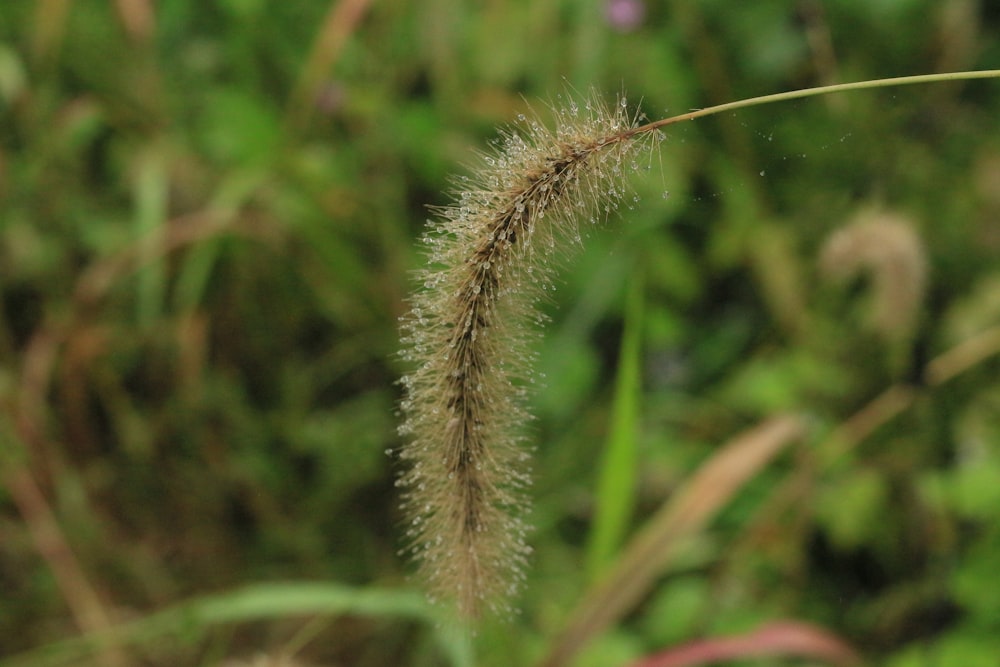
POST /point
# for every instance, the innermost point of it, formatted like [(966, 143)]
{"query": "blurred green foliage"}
[(204, 249)]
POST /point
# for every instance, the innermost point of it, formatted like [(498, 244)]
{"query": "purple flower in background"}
[(625, 15)]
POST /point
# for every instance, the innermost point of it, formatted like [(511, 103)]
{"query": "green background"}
[(209, 215)]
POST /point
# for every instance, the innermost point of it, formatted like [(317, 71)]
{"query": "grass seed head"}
[(885, 245), (468, 337)]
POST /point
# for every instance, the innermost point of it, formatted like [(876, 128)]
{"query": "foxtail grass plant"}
[(490, 257)]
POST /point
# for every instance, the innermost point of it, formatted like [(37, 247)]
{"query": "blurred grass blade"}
[(194, 274), (617, 481), (190, 619), (778, 639), (340, 23), (645, 557), (150, 193)]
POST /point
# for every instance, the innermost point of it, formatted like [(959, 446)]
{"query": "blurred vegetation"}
[(208, 213)]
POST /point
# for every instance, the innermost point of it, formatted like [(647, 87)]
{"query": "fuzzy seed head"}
[(468, 337), (886, 245)]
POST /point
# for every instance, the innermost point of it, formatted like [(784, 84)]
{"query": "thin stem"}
[(810, 92)]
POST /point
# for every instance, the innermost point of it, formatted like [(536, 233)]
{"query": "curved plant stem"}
[(813, 92)]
